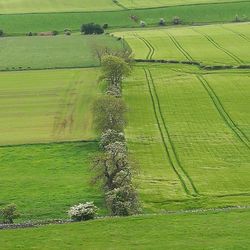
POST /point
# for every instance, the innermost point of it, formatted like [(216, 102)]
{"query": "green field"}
[(45, 106), (208, 13), (36, 6), (45, 180), (224, 230), (211, 44), (38, 52), (190, 136)]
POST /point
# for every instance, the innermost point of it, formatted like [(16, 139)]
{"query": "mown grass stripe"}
[(168, 145), (225, 116), (212, 41)]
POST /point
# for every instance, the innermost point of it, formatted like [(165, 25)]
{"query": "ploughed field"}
[(209, 45), (189, 130)]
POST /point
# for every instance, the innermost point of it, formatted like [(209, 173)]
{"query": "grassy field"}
[(45, 106), (208, 13), (224, 230), (36, 6), (61, 51), (45, 180), (211, 44), (189, 136)]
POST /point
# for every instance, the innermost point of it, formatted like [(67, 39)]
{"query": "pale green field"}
[(44, 106), (42, 52), (35, 6), (46, 6), (212, 44), (191, 141), (133, 4)]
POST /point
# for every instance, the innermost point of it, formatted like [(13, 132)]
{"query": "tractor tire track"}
[(237, 33), (215, 44), (149, 46), (180, 48), (224, 115), (184, 178)]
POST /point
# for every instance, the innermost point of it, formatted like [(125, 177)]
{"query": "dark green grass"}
[(207, 13), (45, 180), (223, 230), (53, 52)]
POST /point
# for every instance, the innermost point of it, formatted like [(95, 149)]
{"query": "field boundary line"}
[(212, 41), (180, 48), (186, 181), (223, 113), (237, 33), (149, 46), (40, 223), (47, 143)]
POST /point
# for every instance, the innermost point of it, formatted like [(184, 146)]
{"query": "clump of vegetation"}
[(143, 24), (112, 167), (109, 113), (176, 20), (91, 28), (114, 68), (105, 26), (83, 212), (162, 22), (134, 18), (9, 213), (1, 33)]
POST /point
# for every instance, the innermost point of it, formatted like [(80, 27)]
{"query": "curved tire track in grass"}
[(225, 116), (149, 46), (215, 44), (184, 178), (180, 48)]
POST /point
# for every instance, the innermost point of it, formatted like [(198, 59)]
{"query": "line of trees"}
[(112, 166)]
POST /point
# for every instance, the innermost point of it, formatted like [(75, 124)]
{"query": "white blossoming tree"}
[(81, 212)]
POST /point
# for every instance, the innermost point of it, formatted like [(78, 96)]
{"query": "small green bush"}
[(9, 213)]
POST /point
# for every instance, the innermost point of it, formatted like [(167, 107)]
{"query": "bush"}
[(1, 33), (105, 26), (176, 20), (109, 113), (9, 213), (111, 136), (114, 91), (55, 32), (82, 212), (29, 34), (123, 201), (143, 24), (91, 28), (162, 22)]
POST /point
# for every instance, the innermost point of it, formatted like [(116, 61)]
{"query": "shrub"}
[(105, 26), (114, 91), (1, 33), (134, 18), (82, 212), (176, 20), (29, 34), (111, 136), (67, 33), (143, 24), (9, 213), (55, 32), (91, 28), (123, 201), (162, 22), (109, 113)]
